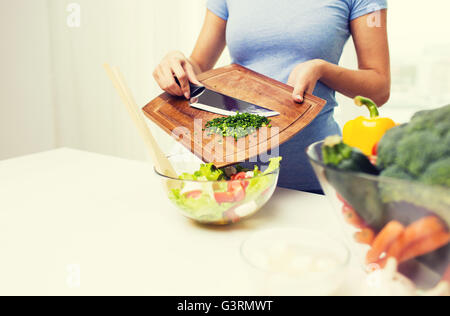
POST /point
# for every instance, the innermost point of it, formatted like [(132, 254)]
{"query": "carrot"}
[(352, 218), (390, 233), (424, 227), (396, 248), (420, 232), (426, 245), (365, 236), (382, 262)]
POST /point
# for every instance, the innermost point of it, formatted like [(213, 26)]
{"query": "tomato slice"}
[(239, 194), (237, 189), (193, 194), (224, 197), (239, 176), (235, 193)]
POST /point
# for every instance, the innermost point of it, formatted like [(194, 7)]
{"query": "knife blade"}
[(218, 103)]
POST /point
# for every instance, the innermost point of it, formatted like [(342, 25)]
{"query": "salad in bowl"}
[(222, 196)]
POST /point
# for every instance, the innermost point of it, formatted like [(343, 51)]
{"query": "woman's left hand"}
[(304, 78)]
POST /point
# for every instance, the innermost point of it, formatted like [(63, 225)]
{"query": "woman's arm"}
[(210, 44), (207, 51), (372, 79)]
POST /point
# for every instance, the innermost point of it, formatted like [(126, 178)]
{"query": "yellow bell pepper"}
[(364, 133)]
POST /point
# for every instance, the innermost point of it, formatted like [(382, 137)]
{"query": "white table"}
[(76, 223)]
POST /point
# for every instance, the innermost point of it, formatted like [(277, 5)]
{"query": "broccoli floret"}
[(438, 173), (396, 172), (428, 120), (338, 154), (335, 151), (442, 129), (387, 148), (417, 150)]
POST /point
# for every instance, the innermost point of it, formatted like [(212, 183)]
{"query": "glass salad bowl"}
[(223, 201), (398, 229)]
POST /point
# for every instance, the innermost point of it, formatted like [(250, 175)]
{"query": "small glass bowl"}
[(295, 262)]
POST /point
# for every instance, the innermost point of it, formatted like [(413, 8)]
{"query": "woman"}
[(298, 42)]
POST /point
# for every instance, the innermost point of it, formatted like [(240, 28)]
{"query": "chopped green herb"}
[(237, 126)]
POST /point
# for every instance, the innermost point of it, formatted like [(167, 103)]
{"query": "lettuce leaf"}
[(273, 165), (204, 208), (262, 181), (207, 172)]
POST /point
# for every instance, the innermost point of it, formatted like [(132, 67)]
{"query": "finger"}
[(182, 79), (161, 81), (299, 92), (169, 82), (159, 78), (291, 80), (156, 75), (191, 74)]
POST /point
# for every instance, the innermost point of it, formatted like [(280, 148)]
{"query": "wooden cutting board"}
[(175, 116)]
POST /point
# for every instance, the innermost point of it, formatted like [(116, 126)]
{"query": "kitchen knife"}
[(218, 103)]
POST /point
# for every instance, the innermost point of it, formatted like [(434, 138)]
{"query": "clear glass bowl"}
[(290, 261), (217, 202), (389, 219)]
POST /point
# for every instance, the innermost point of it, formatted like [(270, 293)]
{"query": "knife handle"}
[(196, 90)]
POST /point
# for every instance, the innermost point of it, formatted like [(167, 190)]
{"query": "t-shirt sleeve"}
[(219, 8), (359, 8)]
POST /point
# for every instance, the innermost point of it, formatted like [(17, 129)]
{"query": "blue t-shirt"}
[(272, 37)]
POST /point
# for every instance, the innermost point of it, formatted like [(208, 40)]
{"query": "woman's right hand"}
[(175, 64)]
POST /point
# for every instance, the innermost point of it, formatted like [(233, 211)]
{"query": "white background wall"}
[(27, 122), (54, 91), (133, 35), (420, 60)]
